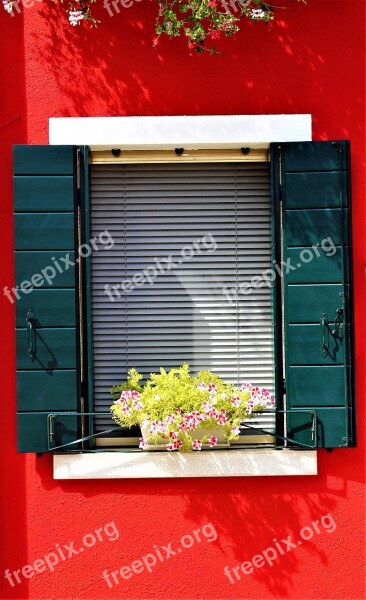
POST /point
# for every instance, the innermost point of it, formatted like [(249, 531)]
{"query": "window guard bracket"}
[(65, 448)]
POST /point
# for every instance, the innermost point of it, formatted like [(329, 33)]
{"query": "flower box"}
[(196, 434)]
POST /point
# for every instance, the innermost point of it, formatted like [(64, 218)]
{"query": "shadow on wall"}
[(114, 70), (247, 514), (94, 67)]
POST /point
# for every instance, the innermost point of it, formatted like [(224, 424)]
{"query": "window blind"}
[(219, 214)]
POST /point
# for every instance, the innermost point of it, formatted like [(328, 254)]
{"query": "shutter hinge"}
[(280, 170), (78, 171)]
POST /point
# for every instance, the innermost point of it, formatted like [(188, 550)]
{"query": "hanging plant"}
[(201, 22)]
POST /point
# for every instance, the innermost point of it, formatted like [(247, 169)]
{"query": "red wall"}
[(310, 62)]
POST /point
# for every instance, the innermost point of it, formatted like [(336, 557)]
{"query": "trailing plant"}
[(200, 22), (173, 404)]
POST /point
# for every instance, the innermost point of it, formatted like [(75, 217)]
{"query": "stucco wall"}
[(311, 62)]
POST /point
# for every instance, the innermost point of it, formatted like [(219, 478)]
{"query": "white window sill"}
[(150, 465)]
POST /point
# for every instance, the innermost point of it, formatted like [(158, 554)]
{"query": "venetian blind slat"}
[(188, 313)]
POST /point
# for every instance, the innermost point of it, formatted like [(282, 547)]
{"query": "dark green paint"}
[(304, 347), (332, 428), (312, 190), (315, 207), (43, 194), (88, 376), (29, 264), (51, 308), (50, 390), (316, 386), (44, 160), (308, 227), (314, 156), (32, 431), (327, 267), (55, 349), (45, 199), (44, 231), (303, 301)]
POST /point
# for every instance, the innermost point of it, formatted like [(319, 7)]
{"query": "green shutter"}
[(45, 193), (315, 194)]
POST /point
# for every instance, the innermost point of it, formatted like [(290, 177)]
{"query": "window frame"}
[(192, 133), (251, 438)]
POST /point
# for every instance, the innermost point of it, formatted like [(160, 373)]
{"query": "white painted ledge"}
[(149, 465), (190, 132)]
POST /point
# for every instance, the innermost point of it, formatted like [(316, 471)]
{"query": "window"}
[(64, 316), (212, 222)]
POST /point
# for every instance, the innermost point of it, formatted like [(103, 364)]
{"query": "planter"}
[(196, 434)]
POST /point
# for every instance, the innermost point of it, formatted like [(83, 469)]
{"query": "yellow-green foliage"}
[(176, 403)]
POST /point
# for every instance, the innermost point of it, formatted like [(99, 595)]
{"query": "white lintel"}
[(189, 132), (150, 465)]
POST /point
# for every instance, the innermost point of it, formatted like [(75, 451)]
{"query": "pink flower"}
[(272, 400), (143, 443), (173, 435), (258, 13), (235, 430), (158, 427), (212, 387), (235, 401), (137, 405), (170, 418), (206, 406), (212, 4), (215, 34), (212, 414), (174, 445), (246, 387), (222, 417), (201, 386), (197, 445), (212, 441)]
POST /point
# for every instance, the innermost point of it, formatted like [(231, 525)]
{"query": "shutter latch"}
[(338, 321)]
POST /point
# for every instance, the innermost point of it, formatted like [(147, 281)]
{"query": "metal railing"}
[(286, 441)]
